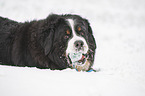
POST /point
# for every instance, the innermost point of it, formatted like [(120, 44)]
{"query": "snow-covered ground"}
[(119, 29)]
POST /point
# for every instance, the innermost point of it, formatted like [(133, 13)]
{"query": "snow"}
[(119, 30)]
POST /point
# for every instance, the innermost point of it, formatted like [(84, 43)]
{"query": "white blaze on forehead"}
[(71, 22), (71, 48)]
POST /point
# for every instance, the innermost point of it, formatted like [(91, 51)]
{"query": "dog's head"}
[(69, 42)]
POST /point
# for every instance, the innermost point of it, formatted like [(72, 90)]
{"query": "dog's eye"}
[(79, 28), (68, 32)]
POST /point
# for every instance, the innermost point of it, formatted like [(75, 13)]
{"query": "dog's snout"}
[(79, 44)]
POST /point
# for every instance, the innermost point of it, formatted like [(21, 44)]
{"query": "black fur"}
[(39, 43)]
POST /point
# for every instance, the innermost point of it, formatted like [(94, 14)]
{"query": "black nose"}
[(79, 44)]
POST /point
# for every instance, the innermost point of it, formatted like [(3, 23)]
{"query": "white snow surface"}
[(119, 30)]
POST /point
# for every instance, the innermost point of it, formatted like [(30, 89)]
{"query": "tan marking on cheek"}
[(85, 67)]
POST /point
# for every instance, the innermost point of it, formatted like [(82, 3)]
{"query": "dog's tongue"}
[(81, 60)]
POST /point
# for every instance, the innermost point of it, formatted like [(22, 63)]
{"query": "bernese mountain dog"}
[(57, 42)]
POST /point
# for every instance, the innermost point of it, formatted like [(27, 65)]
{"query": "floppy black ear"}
[(92, 45), (48, 43), (51, 23), (91, 40)]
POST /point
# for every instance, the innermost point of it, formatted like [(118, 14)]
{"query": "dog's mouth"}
[(77, 59)]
